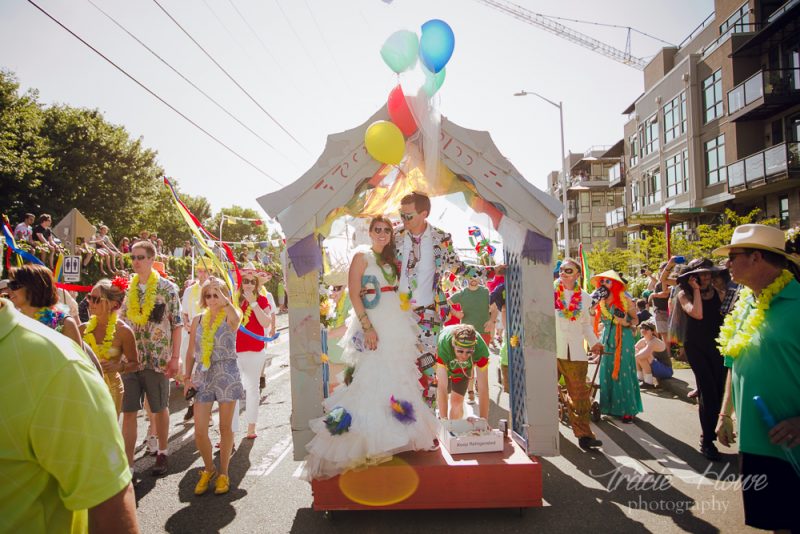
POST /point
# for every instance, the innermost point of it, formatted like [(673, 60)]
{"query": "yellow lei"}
[(607, 314), (111, 328), (207, 341), (745, 320), (247, 311), (139, 314)]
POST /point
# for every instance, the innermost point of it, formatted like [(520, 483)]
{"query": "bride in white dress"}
[(381, 412)]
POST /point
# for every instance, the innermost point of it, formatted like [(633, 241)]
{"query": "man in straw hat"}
[(762, 352)]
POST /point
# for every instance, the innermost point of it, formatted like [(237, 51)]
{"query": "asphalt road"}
[(648, 477)]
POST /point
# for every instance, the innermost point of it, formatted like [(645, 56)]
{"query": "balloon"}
[(385, 142), (436, 44), (433, 81), (399, 112), (400, 50)]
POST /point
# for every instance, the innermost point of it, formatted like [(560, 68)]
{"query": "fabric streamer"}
[(202, 236), (255, 336)]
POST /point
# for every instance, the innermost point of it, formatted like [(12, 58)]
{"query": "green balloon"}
[(400, 51), (433, 82)]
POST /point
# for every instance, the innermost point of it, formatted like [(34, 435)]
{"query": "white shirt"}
[(191, 301), (571, 334), (425, 269)]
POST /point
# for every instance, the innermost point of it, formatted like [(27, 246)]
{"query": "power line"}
[(231, 78), (143, 86), (187, 80)]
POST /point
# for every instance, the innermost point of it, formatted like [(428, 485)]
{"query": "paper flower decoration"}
[(338, 421), (514, 341), (402, 410)]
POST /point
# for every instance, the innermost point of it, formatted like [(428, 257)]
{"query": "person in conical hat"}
[(619, 387)]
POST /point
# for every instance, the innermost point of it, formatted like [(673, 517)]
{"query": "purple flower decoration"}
[(402, 410)]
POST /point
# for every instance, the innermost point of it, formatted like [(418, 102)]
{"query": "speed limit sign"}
[(71, 268)]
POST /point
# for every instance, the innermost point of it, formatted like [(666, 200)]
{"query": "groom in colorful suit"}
[(425, 253)]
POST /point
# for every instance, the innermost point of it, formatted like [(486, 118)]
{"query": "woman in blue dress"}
[(619, 386)]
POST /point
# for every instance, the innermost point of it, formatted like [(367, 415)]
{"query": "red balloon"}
[(400, 114)]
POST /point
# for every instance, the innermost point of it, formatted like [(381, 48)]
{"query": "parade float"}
[(407, 146)]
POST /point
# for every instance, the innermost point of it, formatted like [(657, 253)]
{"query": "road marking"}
[(274, 457)]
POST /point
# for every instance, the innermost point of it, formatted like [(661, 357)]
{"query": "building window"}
[(586, 230), (739, 22), (585, 208), (675, 117), (652, 187), (649, 135), (634, 144), (599, 231), (597, 199), (712, 96), (783, 206), (685, 155), (715, 161), (674, 168), (635, 197)]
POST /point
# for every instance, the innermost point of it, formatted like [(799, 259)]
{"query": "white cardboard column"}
[(539, 348), (305, 354)]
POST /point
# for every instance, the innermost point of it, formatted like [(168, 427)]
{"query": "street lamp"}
[(563, 165)]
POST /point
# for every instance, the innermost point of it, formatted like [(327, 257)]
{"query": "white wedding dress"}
[(375, 434)]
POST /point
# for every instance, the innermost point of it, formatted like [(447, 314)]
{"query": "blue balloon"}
[(436, 44)]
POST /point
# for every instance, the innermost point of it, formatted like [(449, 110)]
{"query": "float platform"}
[(437, 480)]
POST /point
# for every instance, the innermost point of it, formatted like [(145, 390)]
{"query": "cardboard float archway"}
[(524, 216)]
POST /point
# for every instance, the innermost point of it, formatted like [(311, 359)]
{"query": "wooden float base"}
[(437, 480)]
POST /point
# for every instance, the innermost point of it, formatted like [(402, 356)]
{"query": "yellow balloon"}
[(385, 142)]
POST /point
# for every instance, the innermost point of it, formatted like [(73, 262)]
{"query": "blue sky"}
[(315, 66)]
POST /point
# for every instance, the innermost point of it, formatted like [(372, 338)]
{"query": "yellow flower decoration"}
[(405, 301), (111, 328), (207, 341), (324, 358), (514, 341), (139, 314), (747, 316)]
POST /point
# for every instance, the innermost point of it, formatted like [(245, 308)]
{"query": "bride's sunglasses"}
[(382, 230)]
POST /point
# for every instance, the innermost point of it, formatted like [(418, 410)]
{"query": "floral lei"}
[(111, 329), (742, 324), (139, 314), (572, 310), (48, 316), (207, 341)]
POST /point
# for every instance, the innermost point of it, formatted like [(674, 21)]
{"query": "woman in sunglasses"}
[(257, 318), (212, 343), (111, 339), (619, 385), (381, 412), (32, 289)]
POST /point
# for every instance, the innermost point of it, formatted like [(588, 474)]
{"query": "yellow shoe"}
[(205, 479), (223, 485)]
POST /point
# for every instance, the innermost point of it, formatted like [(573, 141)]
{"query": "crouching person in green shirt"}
[(459, 348), (61, 450)]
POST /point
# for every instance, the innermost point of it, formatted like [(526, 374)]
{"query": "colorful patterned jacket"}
[(445, 259)]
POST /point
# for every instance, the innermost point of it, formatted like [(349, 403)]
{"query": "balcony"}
[(776, 163), (615, 175), (615, 218), (764, 94)]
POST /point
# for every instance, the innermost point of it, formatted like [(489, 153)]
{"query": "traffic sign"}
[(71, 269)]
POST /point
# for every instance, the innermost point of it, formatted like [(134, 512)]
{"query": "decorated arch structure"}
[(346, 180)]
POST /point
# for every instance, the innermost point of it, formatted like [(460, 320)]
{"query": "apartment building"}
[(718, 123), (595, 187)]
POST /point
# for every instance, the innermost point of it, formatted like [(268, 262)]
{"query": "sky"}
[(315, 67)]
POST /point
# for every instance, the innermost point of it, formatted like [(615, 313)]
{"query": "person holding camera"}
[(701, 301), (619, 386)]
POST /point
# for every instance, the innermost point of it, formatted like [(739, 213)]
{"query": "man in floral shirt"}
[(152, 308)]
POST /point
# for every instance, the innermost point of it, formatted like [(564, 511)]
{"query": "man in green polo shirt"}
[(763, 357), (459, 349), (61, 450)]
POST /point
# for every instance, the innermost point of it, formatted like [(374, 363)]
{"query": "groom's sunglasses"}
[(407, 216)]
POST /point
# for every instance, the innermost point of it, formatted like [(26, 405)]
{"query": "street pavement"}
[(647, 477)]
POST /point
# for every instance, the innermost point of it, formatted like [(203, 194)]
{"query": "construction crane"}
[(549, 24)]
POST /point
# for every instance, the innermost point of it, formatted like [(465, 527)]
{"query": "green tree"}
[(233, 230), (24, 158)]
